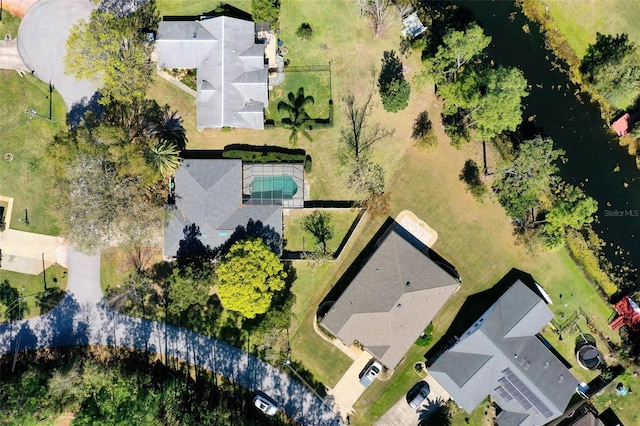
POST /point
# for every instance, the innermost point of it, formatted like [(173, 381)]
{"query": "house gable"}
[(527, 381), (393, 297), (225, 52)]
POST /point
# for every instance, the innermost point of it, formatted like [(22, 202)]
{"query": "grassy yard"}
[(26, 177), (475, 237), (31, 288), (625, 407), (9, 25), (298, 239), (580, 20), (315, 83), (196, 7)]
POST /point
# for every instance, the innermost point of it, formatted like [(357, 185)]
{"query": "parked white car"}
[(370, 373), (265, 404)]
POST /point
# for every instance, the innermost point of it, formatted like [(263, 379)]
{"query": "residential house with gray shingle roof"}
[(209, 193), (392, 299), (232, 77), (500, 355)]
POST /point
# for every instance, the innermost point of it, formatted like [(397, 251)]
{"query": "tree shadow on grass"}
[(49, 299)]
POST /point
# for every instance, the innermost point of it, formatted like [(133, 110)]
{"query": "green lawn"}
[(298, 239), (26, 177), (9, 25), (475, 237), (196, 7), (625, 407), (315, 84), (31, 287), (580, 20)]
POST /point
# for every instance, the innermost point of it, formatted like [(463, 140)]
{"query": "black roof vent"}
[(408, 284)]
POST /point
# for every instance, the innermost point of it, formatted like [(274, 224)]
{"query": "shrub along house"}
[(501, 356), (219, 195), (392, 298)]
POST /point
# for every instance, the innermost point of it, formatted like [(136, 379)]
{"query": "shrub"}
[(308, 164), (225, 129), (304, 31), (470, 175), (264, 156), (423, 132), (427, 336), (428, 142), (394, 89)]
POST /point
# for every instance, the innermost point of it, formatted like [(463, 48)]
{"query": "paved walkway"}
[(82, 318), (42, 43), (25, 252), (9, 57)]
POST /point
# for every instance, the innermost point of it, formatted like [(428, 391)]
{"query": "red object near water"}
[(629, 314)]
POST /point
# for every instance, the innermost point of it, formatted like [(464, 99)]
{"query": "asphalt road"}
[(42, 43), (82, 318)]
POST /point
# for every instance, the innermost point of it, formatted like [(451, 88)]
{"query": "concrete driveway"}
[(42, 43), (403, 415), (347, 391)]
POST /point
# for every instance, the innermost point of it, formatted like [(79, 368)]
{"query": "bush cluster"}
[(264, 156)]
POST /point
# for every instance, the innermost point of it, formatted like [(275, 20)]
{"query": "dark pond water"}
[(594, 158)]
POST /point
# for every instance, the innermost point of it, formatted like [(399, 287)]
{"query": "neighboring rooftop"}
[(208, 193), (501, 356), (232, 78), (413, 27), (621, 125), (392, 298)]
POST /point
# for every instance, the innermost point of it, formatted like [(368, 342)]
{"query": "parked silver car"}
[(418, 394), (370, 373), (265, 404)]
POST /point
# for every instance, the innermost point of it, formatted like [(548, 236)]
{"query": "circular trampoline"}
[(588, 357)]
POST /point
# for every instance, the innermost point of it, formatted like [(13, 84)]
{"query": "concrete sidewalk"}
[(9, 57), (24, 251)]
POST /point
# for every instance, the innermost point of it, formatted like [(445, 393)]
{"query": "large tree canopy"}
[(248, 276), (488, 100), (612, 66), (114, 50), (520, 183), (457, 50), (101, 184)]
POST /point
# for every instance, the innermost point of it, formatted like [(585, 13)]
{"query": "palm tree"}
[(298, 117), (169, 128), (164, 157)]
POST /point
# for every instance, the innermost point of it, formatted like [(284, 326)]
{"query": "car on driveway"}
[(418, 394), (370, 373), (265, 404)]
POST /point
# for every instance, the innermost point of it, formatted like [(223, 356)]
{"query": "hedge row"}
[(264, 157)]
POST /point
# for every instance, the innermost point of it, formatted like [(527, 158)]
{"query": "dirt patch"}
[(18, 7)]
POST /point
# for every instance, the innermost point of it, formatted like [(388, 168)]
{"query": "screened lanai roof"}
[(279, 184)]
